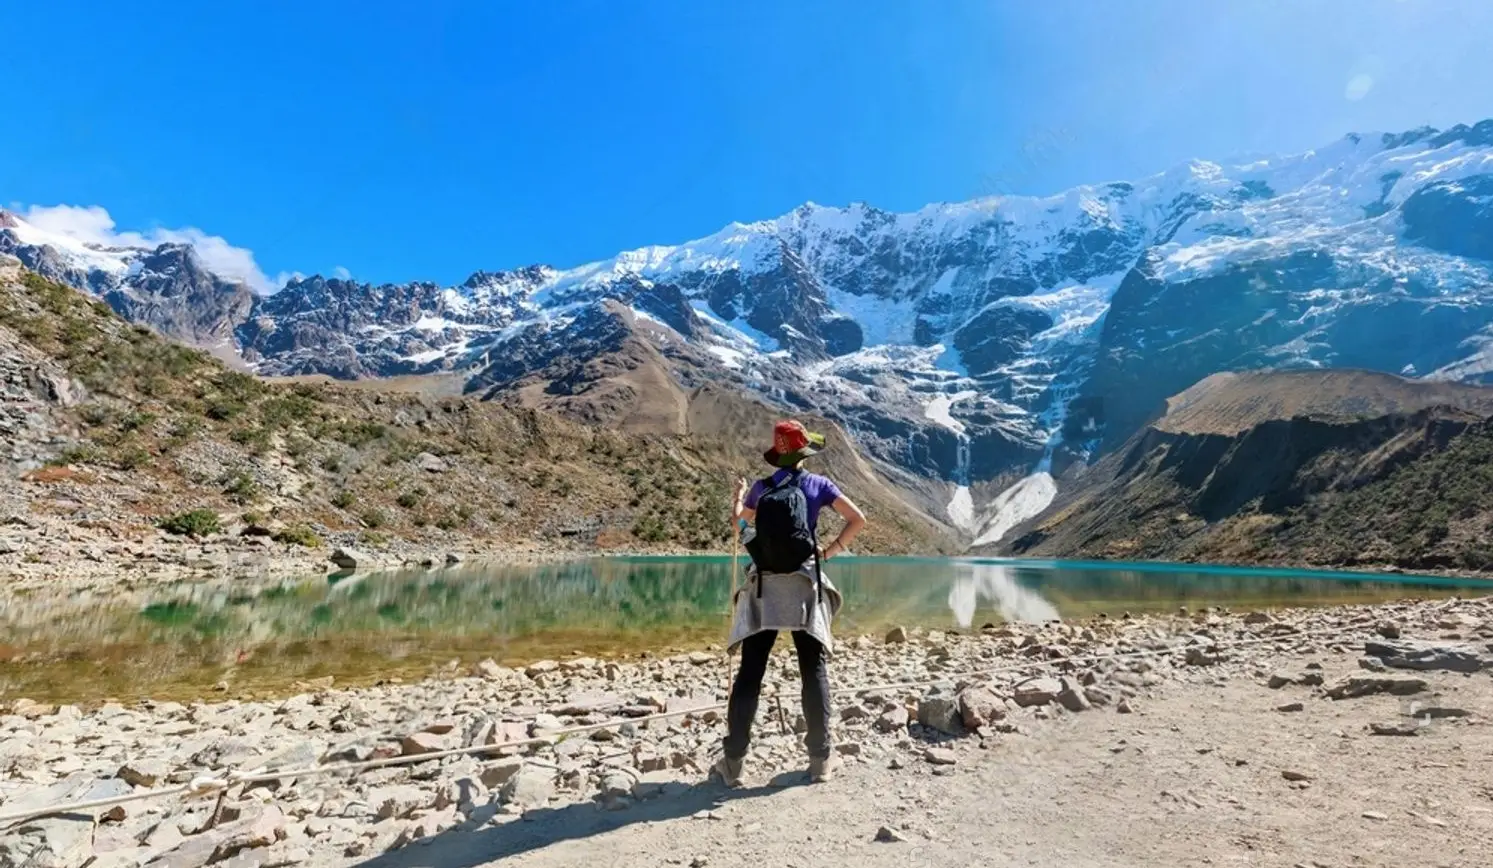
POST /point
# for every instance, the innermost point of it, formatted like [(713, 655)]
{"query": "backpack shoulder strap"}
[(769, 485)]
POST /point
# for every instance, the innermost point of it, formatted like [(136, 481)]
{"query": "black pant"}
[(755, 650)]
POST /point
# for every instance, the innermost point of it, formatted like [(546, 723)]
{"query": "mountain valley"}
[(979, 355)]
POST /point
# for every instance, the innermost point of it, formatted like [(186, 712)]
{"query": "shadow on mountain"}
[(541, 828)]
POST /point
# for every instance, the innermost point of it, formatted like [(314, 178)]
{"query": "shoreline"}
[(172, 561), (969, 698)]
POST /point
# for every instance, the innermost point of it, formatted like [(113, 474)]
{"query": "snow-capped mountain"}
[(962, 343)]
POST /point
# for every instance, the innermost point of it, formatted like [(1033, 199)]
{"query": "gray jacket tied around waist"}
[(789, 601)]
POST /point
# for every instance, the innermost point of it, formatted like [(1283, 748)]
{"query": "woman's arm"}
[(855, 520), (738, 505)]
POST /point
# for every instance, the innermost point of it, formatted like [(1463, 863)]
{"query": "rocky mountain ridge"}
[(129, 458), (1336, 468), (965, 346)]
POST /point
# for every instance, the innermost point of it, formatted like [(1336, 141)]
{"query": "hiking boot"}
[(823, 768), (728, 771)]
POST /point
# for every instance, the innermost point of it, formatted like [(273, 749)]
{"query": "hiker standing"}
[(786, 590)]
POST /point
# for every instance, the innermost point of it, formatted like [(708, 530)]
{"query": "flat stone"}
[(144, 773), (1374, 815), (940, 756), (1293, 775), (1281, 679), (1037, 692), (1290, 707), (261, 830), (495, 774), (419, 743), (582, 704), (1440, 711), (541, 667), (1407, 727), (530, 788), (301, 754), (893, 720), (896, 636), (1363, 686), (193, 852), (48, 842), (888, 835), (1427, 658)]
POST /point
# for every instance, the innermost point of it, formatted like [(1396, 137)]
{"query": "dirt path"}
[(1194, 777)]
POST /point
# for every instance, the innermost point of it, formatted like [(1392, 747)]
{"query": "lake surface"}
[(181, 641)]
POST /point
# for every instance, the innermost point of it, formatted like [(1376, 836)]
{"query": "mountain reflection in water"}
[(973, 582)]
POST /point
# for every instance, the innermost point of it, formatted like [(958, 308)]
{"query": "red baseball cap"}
[(792, 443)]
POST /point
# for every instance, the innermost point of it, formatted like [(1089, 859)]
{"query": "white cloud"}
[(93, 225), (341, 273)]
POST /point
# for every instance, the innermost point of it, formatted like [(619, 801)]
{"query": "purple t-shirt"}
[(818, 490)]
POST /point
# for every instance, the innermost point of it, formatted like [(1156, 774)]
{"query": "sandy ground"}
[(1196, 776)]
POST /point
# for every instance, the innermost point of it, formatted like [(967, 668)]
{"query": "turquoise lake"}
[(183, 640)]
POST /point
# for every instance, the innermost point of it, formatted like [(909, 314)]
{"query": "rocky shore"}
[(1043, 676)]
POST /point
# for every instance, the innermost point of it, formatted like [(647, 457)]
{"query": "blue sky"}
[(403, 144)]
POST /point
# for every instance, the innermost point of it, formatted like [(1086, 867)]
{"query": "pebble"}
[(888, 835)]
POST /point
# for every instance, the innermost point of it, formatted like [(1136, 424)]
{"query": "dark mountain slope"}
[(1324, 468)]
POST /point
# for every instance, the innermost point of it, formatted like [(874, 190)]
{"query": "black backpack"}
[(783, 539)]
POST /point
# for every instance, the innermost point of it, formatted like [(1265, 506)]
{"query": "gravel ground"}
[(1237, 738)]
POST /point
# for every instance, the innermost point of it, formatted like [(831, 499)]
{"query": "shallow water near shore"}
[(207, 640)]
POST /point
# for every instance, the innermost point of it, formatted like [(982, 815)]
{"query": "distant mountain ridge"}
[(966, 345), (1326, 468)]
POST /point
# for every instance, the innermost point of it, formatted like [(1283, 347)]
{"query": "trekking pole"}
[(736, 527)]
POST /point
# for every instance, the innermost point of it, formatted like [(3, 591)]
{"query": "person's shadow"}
[(463, 847)]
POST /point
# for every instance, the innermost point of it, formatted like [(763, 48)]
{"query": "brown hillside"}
[(124, 431), (1230, 403)]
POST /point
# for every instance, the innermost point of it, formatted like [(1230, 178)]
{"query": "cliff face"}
[(1408, 486)]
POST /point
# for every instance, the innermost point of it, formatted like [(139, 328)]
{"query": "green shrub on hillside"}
[(299, 535), (241, 488), (197, 522)]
